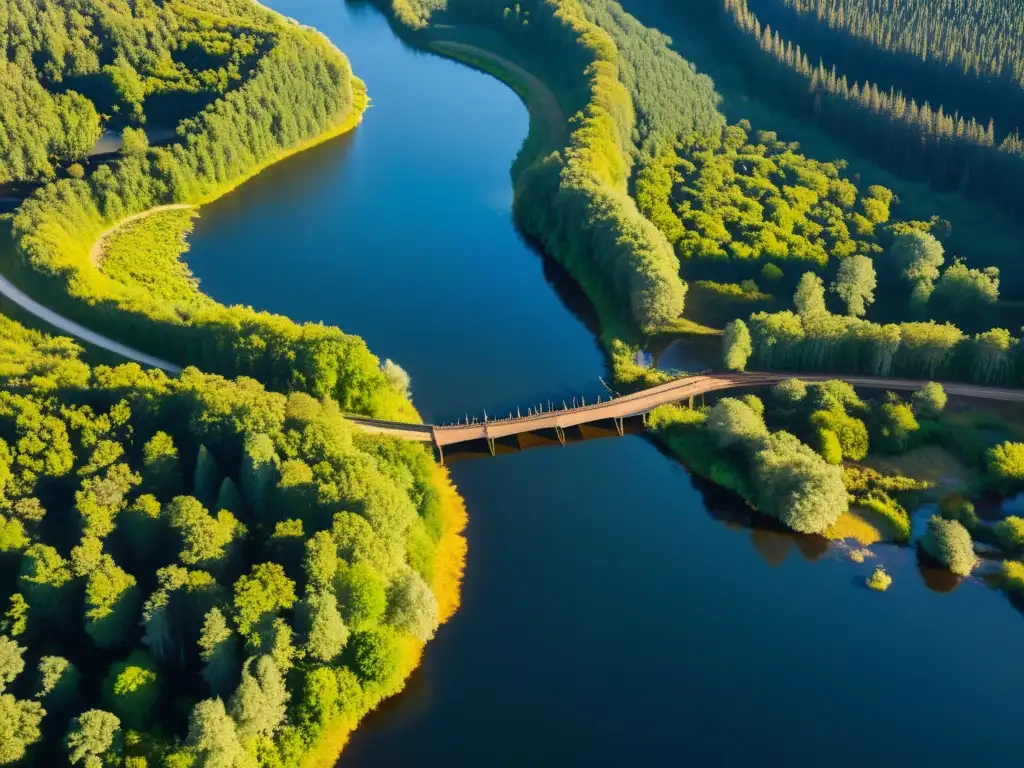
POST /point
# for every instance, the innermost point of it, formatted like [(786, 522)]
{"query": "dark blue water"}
[(613, 613)]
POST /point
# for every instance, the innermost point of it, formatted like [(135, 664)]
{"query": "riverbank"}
[(549, 133), (12, 290), (347, 125), (424, 189)]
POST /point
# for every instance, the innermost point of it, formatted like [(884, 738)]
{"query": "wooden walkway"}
[(616, 409)]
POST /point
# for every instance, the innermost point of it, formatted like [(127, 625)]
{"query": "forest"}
[(937, 142), (746, 215), (846, 285), (199, 571), (984, 38), (300, 89), (72, 68), (202, 569)]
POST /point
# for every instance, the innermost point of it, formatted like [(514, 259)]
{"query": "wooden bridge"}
[(616, 410)]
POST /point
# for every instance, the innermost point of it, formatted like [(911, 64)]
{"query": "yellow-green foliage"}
[(950, 543), (846, 345), (576, 201), (859, 480), (152, 574), (829, 447), (871, 491), (879, 580), (302, 90), (746, 292), (1010, 532), (773, 472), (31, 358), (416, 13), (748, 198), (626, 371), (892, 511), (1013, 577), (956, 506), (147, 253), (1005, 466)]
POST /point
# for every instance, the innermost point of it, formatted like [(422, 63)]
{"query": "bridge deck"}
[(643, 402)]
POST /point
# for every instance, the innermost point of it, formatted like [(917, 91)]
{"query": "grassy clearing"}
[(930, 463), (854, 525), (147, 253)]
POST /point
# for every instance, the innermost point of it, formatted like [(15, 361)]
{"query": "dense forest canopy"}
[(71, 67), (196, 571), (983, 37), (631, 95), (950, 149), (299, 90), (752, 198)]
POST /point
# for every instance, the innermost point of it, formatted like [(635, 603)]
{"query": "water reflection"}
[(935, 577), (770, 539)]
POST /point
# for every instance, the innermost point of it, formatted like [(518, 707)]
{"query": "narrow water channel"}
[(614, 612)]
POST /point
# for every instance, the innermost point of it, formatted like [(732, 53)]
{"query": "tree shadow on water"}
[(770, 539)]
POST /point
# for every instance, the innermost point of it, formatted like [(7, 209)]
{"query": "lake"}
[(615, 611)]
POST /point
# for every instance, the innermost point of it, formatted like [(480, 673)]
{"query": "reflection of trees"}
[(770, 539), (936, 577), (773, 546), (414, 701), (566, 288), (811, 547)]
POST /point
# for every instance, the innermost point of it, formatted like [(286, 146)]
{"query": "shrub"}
[(950, 543), (1005, 466), (891, 510), (851, 433), (1012, 577), (736, 347), (754, 403), (732, 422), (829, 447), (1010, 532), (956, 506), (796, 486), (897, 427), (771, 272), (879, 580), (789, 392), (930, 400)]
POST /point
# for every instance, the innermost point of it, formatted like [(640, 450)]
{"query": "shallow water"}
[(615, 612)]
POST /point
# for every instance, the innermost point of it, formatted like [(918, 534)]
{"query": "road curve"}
[(643, 402), (33, 307)]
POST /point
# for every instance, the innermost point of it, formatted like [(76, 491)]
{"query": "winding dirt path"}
[(33, 307)]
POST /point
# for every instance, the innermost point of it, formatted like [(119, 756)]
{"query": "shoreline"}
[(617, 336), (12, 291)]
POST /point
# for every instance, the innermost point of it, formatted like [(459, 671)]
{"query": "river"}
[(614, 611)]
